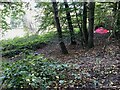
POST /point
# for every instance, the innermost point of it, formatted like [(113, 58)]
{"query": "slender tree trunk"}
[(81, 33), (91, 24), (115, 12), (118, 18), (119, 5), (85, 32), (61, 43), (118, 21), (68, 17)]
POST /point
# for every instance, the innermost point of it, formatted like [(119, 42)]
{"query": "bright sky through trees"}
[(28, 18)]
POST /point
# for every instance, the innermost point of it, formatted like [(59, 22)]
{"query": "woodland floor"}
[(99, 63), (106, 61)]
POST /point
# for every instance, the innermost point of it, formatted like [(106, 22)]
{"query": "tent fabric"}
[(101, 30)]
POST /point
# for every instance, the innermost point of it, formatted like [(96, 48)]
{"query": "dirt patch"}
[(105, 63)]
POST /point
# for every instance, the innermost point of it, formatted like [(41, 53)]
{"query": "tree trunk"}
[(118, 18), (91, 24), (68, 17), (85, 32), (78, 23), (61, 43), (115, 12), (118, 22)]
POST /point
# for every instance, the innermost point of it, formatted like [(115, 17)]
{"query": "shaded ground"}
[(103, 60), (99, 65)]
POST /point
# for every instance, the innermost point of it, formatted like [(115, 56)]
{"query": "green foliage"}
[(32, 72), (39, 72), (48, 17), (104, 15), (23, 74), (13, 11), (26, 44)]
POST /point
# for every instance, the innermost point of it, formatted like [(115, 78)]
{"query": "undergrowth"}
[(39, 72), (27, 44)]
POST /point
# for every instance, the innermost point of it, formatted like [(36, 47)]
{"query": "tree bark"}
[(118, 22), (85, 32), (115, 12), (118, 19), (61, 43), (68, 17), (91, 24), (78, 23)]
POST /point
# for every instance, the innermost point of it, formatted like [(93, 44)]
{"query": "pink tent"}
[(101, 30)]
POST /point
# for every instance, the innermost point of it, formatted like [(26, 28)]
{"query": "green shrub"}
[(39, 72), (34, 71), (12, 47)]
